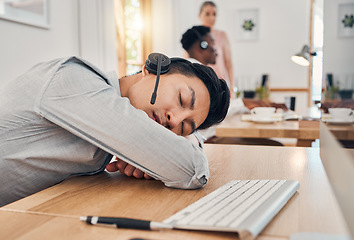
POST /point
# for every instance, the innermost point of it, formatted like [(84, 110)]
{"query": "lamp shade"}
[(302, 58), (303, 61)]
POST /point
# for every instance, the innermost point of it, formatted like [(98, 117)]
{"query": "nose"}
[(176, 117)]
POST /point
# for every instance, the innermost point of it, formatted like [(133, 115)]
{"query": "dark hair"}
[(219, 92), (191, 36), (206, 3)]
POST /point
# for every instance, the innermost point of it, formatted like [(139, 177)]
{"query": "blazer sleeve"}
[(79, 99)]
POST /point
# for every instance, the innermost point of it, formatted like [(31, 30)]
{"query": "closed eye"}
[(180, 99)]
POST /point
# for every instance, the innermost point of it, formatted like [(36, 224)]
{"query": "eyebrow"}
[(193, 98), (193, 126), (192, 107)]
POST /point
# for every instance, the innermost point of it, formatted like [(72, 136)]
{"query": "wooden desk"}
[(304, 131), (56, 210), (342, 132), (233, 126)]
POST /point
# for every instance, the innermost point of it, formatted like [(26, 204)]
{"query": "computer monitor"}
[(264, 80), (329, 80), (339, 166)]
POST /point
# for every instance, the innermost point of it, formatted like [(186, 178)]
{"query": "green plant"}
[(262, 92), (238, 93), (332, 92)]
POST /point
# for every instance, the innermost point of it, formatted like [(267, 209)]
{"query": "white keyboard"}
[(244, 207)]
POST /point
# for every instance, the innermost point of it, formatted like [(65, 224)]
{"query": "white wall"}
[(84, 28), (164, 39), (97, 35), (22, 46), (284, 29), (338, 56)]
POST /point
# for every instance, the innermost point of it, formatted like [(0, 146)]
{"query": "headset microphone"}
[(154, 94), (157, 64)]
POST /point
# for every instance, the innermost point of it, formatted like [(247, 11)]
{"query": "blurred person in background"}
[(223, 65), (199, 44)]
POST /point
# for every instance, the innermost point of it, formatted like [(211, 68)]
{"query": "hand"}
[(252, 103), (348, 103), (126, 169)]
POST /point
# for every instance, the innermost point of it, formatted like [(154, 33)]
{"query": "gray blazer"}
[(66, 117)]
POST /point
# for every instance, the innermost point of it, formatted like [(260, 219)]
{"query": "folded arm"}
[(80, 101), (131, 171)]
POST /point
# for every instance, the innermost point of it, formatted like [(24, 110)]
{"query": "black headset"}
[(203, 44), (157, 64)]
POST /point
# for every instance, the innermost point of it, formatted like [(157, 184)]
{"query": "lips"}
[(156, 118)]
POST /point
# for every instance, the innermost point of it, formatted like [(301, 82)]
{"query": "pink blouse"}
[(220, 66)]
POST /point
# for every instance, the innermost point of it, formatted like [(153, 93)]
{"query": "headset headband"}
[(158, 64), (203, 44)]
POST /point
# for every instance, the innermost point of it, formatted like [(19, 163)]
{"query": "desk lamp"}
[(302, 58)]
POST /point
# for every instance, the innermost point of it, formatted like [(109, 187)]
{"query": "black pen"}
[(125, 223)]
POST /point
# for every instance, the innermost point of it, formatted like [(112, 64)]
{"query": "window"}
[(318, 48), (133, 21)]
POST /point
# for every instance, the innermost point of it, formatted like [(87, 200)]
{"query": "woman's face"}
[(210, 53), (208, 16)]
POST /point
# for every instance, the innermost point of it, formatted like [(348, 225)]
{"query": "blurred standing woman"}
[(223, 66)]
